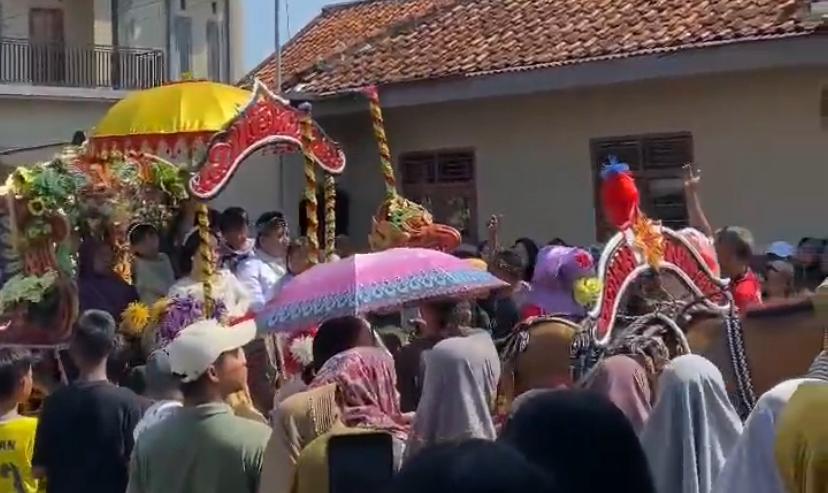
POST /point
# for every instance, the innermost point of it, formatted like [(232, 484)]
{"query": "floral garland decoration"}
[(182, 311)]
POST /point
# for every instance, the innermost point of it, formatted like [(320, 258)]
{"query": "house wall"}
[(79, 20), (36, 122), (758, 138), (201, 12)]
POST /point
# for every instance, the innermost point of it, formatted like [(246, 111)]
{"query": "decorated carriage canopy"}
[(45, 208), (210, 128), (151, 151)]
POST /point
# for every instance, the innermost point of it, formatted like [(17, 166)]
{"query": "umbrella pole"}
[(382, 141), (310, 188), (206, 255), (330, 216)]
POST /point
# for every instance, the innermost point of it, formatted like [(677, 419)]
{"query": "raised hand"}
[(692, 177), (494, 223)]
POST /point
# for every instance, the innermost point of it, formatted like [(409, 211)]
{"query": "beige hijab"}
[(297, 421)]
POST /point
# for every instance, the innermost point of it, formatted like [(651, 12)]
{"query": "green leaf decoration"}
[(25, 289)]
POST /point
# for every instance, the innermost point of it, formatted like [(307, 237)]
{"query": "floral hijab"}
[(366, 384)]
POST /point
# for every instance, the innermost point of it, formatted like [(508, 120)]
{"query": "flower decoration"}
[(301, 349), (158, 310), (583, 259), (26, 289), (36, 207), (181, 312), (586, 291), (135, 319)]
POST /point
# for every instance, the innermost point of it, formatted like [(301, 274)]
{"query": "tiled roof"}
[(337, 29), (473, 37)]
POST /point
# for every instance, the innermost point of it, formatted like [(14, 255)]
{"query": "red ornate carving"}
[(678, 254), (619, 267), (267, 122)]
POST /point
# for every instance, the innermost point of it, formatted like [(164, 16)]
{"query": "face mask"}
[(586, 290)]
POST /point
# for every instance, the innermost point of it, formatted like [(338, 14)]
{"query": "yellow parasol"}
[(177, 118)]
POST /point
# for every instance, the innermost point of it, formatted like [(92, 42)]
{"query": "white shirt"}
[(260, 275), (155, 414)]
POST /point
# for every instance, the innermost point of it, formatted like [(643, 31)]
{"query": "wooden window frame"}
[(432, 186), (641, 169)]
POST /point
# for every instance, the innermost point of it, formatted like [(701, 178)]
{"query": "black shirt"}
[(503, 314), (84, 437)]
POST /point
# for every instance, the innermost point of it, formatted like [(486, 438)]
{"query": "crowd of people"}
[(373, 412)]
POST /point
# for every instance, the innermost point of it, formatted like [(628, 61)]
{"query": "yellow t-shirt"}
[(17, 437)]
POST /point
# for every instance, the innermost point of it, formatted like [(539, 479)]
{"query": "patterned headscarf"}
[(366, 384)]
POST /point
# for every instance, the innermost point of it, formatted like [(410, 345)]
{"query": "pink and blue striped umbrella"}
[(372, 282)]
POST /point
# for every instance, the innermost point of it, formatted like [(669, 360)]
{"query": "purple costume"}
[(556, 270)]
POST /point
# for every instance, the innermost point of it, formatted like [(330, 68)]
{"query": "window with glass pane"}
[(183, 28), (444, 183), (656, 162), (213, 51)]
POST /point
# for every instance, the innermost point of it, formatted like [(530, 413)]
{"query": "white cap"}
[(781, 249), (199, 345)]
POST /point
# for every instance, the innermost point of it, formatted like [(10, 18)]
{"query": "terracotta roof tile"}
[(337, 29), (472, 37)]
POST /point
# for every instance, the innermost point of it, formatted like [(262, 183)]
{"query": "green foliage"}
[(25, 289)]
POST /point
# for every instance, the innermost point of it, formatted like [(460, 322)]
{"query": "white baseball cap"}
[(199, 345), (781, 249)]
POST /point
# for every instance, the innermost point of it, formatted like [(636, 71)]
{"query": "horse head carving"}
[(400, 222)]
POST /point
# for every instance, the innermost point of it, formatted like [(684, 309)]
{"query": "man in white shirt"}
[(261, 272)]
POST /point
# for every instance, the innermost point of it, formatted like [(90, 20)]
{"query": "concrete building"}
[(511, 107), (64, 63)]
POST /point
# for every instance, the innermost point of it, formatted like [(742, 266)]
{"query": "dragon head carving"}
[(399, 222)]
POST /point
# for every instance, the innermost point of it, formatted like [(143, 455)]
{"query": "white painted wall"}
[(79, 20), (41, 121), (256, 186), (758, 138)]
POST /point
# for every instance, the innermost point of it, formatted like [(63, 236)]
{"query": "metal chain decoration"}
[(738, 358), (205, 253), (330, 216), (311, 206)]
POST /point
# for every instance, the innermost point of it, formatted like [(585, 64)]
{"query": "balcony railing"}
[(43, 64)]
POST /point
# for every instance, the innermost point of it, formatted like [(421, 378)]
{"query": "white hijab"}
[(751, 467), (692, 428), (459, 388)]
